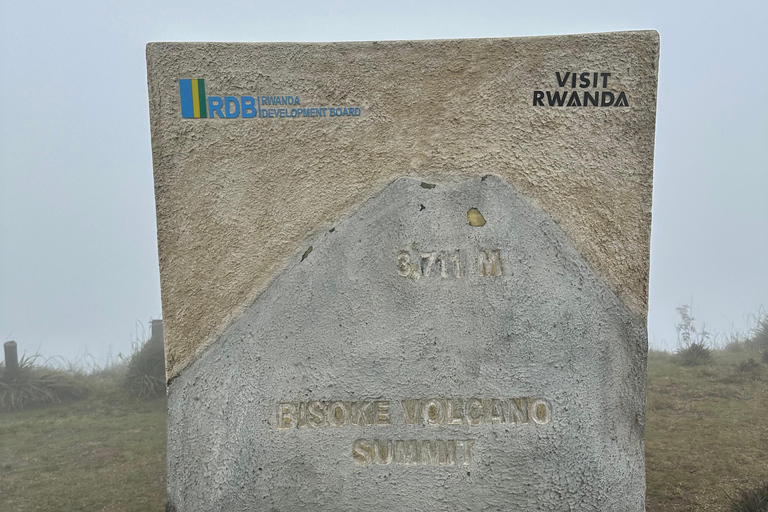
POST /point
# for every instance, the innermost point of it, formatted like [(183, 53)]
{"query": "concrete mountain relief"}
[(479, 361)]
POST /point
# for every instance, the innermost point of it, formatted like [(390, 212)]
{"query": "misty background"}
[(78, 249)]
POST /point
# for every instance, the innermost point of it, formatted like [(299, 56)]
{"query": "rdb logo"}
[(193, 104), (196, 105)]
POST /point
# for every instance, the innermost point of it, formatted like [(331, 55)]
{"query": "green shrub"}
[(760, 336), (750, 369), (736, 342), (695, 354), (734, 346), (145, 372), (33, 385), (751, 500), (692, 344)]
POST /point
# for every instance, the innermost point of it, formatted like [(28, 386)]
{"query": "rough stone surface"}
[(237, 197), (350, 320)]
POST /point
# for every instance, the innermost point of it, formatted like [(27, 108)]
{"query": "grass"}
[(760, 336), (695, 354), (105, 453), (34, 385), (145, 371), (706, 430), (751, 500), (706, 442)]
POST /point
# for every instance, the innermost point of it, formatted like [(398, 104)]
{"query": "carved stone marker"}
[(405, 275)]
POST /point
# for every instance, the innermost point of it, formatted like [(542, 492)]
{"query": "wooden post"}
[(11, 356), (156, 331)]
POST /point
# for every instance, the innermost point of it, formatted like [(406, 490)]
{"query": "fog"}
[(78, 250)]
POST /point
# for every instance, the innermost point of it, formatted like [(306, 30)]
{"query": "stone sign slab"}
[(405, 275)]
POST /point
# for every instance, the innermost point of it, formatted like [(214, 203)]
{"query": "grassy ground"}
[(706, 436), (706, 431), (105, 453)]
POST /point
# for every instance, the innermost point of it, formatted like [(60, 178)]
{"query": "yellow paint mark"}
[(475, 218)]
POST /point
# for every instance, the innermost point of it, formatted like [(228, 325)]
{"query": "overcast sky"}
[(78, 248)]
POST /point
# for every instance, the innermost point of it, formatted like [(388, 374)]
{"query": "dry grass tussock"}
[(760, 336), (751, 500), (145, 369), (695, 354), (33, 385), (41, 382)]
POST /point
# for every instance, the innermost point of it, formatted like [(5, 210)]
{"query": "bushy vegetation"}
[(736, 342), (760, 336), (751, 369), (751, 500), (145, 372), (33, 385), (695, 354), (39, 382), (692, 344)]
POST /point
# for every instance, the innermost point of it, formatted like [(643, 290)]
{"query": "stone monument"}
[(405, 275)]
